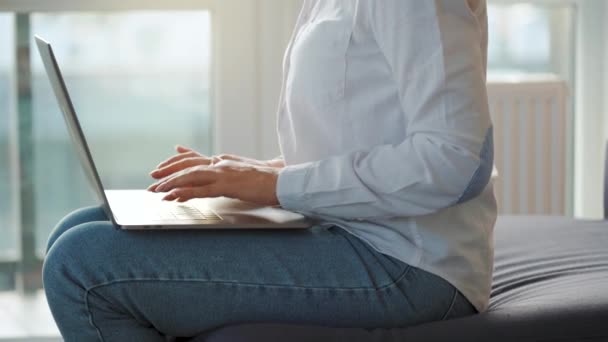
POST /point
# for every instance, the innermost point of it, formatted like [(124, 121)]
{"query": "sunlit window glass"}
[(8, 224), (528, 38), (140, 83)]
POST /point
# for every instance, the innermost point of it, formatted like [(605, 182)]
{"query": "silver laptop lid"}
[(69, 114)]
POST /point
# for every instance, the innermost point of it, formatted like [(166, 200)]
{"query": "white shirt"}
[(385, 130)]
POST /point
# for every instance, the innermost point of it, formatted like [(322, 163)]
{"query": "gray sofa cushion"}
[(550, 283)]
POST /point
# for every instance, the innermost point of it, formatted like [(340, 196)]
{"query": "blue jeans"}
[(107, 284)]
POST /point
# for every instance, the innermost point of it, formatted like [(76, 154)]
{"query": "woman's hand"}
[(229, 178), (186, 158)]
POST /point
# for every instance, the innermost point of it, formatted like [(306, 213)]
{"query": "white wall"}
[(249, 73), (591, 129), (604, 38), (275, 24)]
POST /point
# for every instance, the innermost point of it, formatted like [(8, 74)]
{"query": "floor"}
[(26, 318)]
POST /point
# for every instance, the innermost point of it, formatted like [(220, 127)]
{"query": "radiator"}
[(529, 145)]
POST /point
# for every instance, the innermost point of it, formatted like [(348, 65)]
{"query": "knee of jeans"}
[(72, 253), (58, 259), (73, 219)]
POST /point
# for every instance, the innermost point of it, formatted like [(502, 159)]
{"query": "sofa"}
[(550, 284)]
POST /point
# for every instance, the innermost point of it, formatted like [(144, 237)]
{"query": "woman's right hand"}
[(187, 157)]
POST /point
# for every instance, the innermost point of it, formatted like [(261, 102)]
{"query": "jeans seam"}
[(243, 284), (90, 314), (449, 310), (375, 255)]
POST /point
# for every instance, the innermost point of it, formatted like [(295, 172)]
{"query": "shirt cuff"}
[(291, 186)]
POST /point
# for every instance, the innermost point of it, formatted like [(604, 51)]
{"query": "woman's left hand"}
[(227, 178)]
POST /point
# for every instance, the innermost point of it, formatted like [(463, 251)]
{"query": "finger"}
[(188, 193), (188, 177), (155, 187), (178, 166), (183, 149), (177, 157)]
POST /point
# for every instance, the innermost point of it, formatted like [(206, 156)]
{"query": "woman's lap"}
[(107, 284)]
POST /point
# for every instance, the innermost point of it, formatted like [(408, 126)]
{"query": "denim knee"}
[(68, 271), (65, 254), (68, 265), (77, 217), (57, 271)]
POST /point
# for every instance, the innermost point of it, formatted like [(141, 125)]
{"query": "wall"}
[(256, 33), (274, 36), (591, 129)]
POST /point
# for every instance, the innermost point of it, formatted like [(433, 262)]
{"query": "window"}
[(8, 226), (531, 38), (136, 92), (533, 42), (143, 76)]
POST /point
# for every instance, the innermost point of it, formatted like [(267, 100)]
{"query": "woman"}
[(386, 140)]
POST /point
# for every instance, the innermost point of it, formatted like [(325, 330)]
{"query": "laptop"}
[(141, 209)]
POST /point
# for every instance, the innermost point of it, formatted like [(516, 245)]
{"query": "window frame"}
[(588, 136), (27, 6), (246, 74), (246, 60)]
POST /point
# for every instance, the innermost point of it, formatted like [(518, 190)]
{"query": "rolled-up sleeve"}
[(435, 51)]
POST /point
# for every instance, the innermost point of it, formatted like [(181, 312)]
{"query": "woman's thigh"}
[(119, 283)]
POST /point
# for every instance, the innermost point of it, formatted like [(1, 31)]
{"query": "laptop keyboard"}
[(186, 212)]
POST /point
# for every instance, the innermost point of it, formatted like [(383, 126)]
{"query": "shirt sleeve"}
[(436, 51)]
